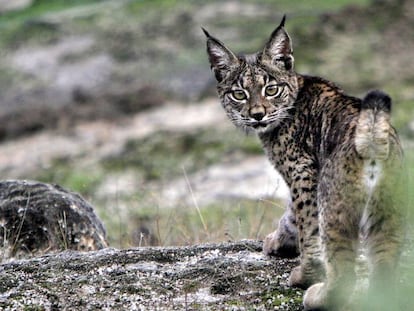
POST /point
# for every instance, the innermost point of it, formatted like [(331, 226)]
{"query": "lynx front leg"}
[(284, 241), (304, 195)]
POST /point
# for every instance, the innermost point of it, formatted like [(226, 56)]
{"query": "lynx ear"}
[(278, 50), (222, 60)]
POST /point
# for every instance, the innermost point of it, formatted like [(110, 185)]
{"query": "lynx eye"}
[(239, 94), (272, 90)]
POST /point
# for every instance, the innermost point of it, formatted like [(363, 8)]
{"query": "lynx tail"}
[(373, 128)]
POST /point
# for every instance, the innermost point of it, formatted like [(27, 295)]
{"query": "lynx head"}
[(257, 91)]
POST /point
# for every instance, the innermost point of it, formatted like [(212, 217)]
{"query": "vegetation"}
[(189, 224)]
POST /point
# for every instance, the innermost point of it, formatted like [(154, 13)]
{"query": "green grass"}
[(185, 225)]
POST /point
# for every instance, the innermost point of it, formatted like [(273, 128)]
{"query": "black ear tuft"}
[(206, 32), (282, 23)]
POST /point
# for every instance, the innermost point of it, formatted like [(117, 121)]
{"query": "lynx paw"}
[(297, 278), (280, 245), (315, 297), (315, 274), (284, 241)]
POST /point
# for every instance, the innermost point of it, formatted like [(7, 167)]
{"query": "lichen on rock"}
[(227, 276)]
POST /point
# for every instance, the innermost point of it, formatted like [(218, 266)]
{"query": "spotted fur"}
[(339, 155)]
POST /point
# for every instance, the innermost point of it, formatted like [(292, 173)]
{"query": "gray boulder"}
[(38, 218)]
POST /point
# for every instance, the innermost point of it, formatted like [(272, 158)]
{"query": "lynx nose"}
[(258, 116)]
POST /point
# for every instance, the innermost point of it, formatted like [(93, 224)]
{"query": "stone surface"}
[(228, 276)]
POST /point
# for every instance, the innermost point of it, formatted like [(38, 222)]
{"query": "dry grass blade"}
[(195, 201)]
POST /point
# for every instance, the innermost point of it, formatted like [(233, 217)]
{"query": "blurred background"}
[(115, 100)]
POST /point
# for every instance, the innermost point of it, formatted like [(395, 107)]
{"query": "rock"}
[(228, 276), (38, 218)]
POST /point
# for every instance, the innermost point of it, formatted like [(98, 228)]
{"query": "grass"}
[(185, 225)]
